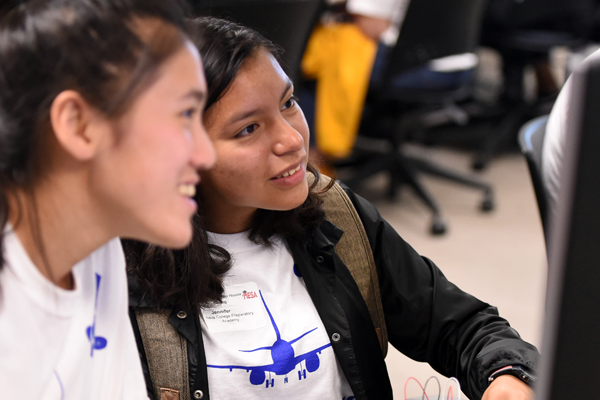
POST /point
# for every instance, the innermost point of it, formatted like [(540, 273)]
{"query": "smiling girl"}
[(284, 317), (100, 136)]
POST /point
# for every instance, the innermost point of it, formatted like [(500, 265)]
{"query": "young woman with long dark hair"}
[(100, 137), (262, 304)]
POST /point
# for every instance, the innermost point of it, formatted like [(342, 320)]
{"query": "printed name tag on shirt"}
[(242, 310)]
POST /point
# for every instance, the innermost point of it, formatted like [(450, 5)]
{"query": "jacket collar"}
[(327, 236)]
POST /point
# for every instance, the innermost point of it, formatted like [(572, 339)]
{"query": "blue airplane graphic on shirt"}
[(97, 342), (284, 359)]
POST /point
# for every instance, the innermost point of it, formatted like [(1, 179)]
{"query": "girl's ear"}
[(71, 119)]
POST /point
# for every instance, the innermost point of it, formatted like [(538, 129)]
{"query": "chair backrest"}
[(287, 23), (434, 29), (531, 142), (531, 14)]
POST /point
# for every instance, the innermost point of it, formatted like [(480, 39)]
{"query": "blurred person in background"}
[(100, 136), (346, 58)]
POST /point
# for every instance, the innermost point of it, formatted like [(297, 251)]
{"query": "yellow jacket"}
[(340, 58)]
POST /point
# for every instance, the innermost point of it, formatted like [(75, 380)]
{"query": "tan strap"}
[(169, 394), (356, 253), (166, 352)]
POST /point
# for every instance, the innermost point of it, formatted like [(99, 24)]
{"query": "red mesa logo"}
[(249, 295)]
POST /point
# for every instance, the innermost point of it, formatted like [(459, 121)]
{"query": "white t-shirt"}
[(266, 341), (395, 11), (67, 344)]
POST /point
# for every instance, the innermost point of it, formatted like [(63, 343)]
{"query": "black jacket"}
[(428, 318)]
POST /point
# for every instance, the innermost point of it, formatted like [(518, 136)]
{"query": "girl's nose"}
[(204, 155), (287, 138)]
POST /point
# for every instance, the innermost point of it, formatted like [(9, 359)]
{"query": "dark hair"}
[(107, 50), (224, 46), (197, 280), (192, 276)]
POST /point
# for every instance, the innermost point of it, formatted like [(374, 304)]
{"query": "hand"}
[(371, 27), (507, 387)]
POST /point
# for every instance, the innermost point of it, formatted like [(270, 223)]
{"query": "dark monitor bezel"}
[(570, 364)]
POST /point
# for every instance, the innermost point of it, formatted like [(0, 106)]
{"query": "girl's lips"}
[(188, 191), (290, 172), (191, 204), (293, 179)]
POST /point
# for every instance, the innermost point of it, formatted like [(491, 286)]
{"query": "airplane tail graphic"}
[(270, 316)]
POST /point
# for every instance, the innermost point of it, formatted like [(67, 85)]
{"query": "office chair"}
[(524, 32), (287, 23), (531, 142), (431, 29), (8, 5)]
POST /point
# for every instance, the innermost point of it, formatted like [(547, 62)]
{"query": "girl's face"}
[(149, 167), (261, 139)]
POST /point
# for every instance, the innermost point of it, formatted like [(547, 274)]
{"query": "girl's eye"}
[(247, 131), (290, 103), (188, 113)]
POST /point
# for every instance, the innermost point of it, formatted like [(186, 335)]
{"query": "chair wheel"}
[(487, 204), (438, 227)]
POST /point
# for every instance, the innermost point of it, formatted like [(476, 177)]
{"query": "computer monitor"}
[(570, 365)]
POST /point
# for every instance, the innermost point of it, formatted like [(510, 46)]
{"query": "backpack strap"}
[(356, 253), (166, 352)]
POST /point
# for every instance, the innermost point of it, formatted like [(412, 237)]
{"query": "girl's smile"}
[(291, 177)]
